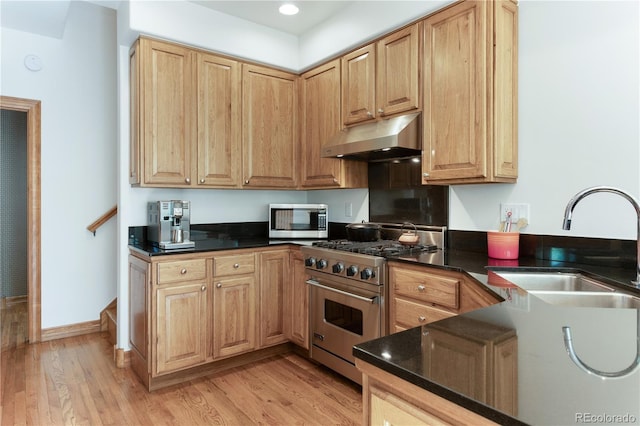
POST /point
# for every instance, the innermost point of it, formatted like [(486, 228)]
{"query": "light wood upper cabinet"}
[(219, 162), (359, 85), (470, 93), (321, 120), (185, 117), (398, 72), (382, 78), (162, 113), (269, 127)]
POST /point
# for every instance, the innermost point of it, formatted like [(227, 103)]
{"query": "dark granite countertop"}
[(552, 390), (213, 237)]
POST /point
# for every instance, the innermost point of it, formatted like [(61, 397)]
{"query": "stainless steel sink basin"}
[(589, 299), (554, 281)]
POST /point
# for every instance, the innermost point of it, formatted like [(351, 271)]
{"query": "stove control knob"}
[(366, 274), (321, 264), (310, 261), (337, 268), (352, 270)]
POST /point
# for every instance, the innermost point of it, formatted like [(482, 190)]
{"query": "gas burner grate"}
[(383, 248)]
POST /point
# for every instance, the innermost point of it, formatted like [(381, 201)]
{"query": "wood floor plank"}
[(75, 381)]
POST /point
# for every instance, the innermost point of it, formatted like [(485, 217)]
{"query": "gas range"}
[(364, 261), (348, 295)]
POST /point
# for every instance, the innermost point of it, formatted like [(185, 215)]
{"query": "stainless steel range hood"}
[(393, 138)]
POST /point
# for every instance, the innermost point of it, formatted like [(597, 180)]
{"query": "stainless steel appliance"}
[(169, 224), (348, 291), (395, 137), (298, 221)]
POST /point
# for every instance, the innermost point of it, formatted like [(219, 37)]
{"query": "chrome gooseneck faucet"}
[(566, 225)]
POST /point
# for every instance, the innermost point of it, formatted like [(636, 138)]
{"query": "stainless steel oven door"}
[(342, 316)]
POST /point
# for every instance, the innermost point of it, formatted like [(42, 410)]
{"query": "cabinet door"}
[(458, 363), (139, 285), (134, 115), (298, 302), (234, 316), (181, 321), (455, 93), (219, 102), (274, 281), (270, 127), (398, 72), (388, 409), (167, 113), (358, 85)]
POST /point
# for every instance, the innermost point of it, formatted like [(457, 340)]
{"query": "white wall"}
[(578, 126), (579, 121), (77, 87)]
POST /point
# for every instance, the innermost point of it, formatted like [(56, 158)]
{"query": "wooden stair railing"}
[(102, 219)]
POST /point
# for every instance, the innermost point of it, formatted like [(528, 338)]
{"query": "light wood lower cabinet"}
[(274, 279), (389, 400), (234, 315), (297, 322), (181, 326), (189, 312), (420, 295), (475, 358)]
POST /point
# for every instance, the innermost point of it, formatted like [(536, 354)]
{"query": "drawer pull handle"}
[(203, 288), (183, 271), (422, 319), (421, 287), (219, 285), (236, 265)]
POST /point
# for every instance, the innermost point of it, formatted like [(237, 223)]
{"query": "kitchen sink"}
[(589, 299), (554, 281)]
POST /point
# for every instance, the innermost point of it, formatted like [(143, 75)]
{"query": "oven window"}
[(343, 316)]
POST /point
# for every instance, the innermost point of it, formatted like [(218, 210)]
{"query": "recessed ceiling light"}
[(289, 9)]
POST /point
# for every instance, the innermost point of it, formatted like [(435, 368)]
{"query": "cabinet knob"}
[(425, 175), (183, 271), (369, 114), (201, 180), (246, 181), (219, 285), (188, 180), (421, 287), (203, 288), (236, 265), (421, 318), (380, 111)]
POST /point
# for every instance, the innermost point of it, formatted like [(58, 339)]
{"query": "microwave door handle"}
[(344, 293)]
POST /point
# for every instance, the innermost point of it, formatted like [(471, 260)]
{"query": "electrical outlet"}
[(518, 211)]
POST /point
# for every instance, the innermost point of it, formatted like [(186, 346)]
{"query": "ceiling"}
[(266, 13), (48, 17)]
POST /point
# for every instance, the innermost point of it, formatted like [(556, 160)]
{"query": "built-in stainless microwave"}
[(298, 221)]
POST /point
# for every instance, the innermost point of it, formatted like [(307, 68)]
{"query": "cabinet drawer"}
[(234, 265), (184, 270), (411, 314), (425, 287)]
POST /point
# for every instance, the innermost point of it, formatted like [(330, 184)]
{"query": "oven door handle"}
[(344, 293)]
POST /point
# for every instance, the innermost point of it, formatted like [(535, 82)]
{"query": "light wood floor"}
[(74, 381)]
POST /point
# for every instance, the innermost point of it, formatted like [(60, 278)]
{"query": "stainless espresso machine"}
[(170, 224)]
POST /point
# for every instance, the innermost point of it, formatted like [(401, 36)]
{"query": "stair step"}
[(111, 314)]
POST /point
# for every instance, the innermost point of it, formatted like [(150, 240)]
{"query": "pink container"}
[(503, 245)]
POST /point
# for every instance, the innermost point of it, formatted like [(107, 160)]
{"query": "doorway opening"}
[(33, 110)]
